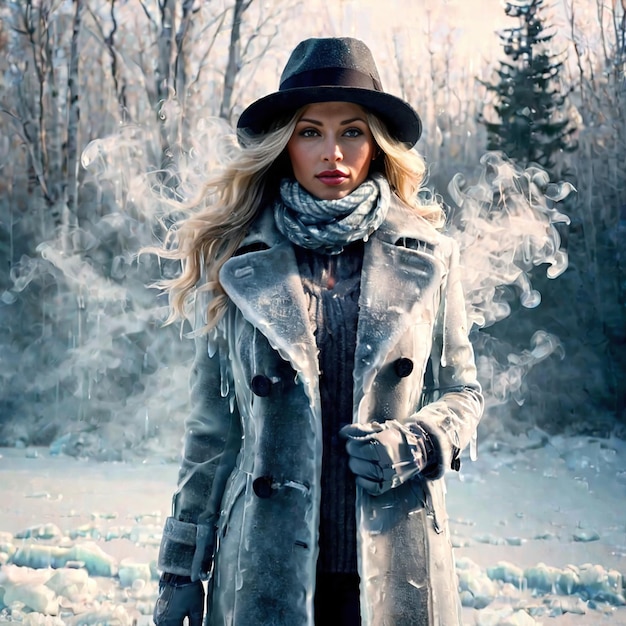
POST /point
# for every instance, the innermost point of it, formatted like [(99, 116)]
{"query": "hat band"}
[(331, 77)]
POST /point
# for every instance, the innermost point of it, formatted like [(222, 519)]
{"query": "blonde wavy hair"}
[(232, 197)]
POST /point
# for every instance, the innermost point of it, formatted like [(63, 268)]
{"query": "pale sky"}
[(464, 29)]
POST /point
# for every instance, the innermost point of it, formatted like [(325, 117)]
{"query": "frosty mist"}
[(507, 224), (115, 368)]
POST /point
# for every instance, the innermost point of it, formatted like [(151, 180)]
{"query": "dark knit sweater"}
[(332, 286)]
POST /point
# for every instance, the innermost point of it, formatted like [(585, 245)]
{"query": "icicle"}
[(253, 353), (297, 486), (473, 447), (224, 374), (212, 343)]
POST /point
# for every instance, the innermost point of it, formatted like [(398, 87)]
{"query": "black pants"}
[(337, 600)]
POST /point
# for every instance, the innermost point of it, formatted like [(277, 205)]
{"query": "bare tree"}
[(164, 78), (426, 71), (70, 72), (181, 58), (249, 41), (70, 218), (29, 28), (233, 65), (109, 41), (45, 106)]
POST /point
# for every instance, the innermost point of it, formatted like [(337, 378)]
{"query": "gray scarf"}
[(329, 225)]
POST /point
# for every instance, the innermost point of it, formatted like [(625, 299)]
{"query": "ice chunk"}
[(493, 617), (542, 577), (519, 618), (37, 557), (131, 571), (569, 580), (108, 614), (146, 534), (86, 530), (574, 605), (481, 589), (37, 619), (507, 573), (515, 541), (7, 549), (73, 584), (96, 561), (35, 597), (585, 536), (153, 516), (144, 593), (111, 515), (89, 555), (601, 584), (40, 531)]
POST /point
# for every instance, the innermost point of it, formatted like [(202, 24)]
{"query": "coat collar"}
[(264, 283)]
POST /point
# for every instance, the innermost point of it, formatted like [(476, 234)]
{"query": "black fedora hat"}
[(332, 70)]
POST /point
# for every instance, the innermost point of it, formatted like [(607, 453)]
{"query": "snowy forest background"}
[(102, 103)]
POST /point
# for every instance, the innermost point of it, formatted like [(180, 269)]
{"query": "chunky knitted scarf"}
[(329, 225)]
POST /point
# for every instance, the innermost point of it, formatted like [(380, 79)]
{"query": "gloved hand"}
[(179, 598), (385, 455)]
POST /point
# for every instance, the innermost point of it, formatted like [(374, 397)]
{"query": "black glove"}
[(385, 455), (179, 598)]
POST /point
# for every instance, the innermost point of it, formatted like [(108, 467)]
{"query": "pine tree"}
[(529, 97)]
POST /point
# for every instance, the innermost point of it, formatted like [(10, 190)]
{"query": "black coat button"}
[(262, 486), (261, 386), (403, 367)]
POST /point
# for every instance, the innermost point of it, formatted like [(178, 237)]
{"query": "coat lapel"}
[(400, 267), (265, 286)]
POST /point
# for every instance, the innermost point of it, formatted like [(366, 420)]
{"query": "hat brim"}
[(401, 119)]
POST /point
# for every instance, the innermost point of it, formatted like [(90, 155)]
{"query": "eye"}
[(353, 132), (309, 132)]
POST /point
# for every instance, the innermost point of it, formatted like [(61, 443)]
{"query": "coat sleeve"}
[(453, 402), (210, 445)]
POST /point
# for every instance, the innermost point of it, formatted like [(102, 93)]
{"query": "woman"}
[(334, 381)]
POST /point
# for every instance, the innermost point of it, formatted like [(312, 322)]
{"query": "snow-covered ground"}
[(539, 525)]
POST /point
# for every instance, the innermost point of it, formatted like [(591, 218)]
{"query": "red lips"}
[(332, 177)]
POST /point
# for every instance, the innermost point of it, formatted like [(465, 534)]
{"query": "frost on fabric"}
[(278, 456)]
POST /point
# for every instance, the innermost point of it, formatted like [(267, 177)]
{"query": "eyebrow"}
[(343, 123)]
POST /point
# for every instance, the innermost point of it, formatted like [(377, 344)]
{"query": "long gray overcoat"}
[(252, 451)]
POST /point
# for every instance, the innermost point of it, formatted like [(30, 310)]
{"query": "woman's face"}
[(331, 149)]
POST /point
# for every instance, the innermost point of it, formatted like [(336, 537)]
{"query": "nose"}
[(332, 151)]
